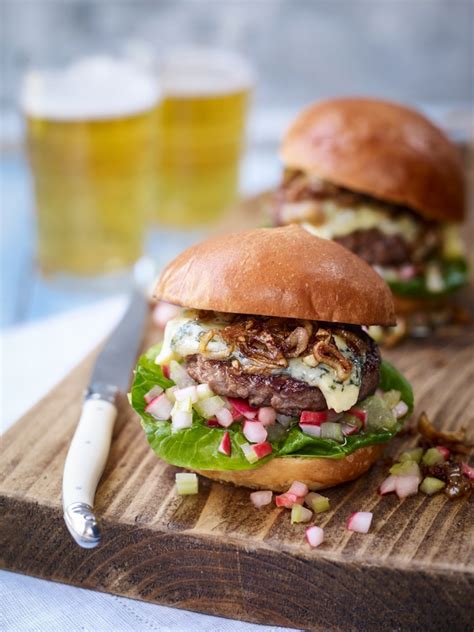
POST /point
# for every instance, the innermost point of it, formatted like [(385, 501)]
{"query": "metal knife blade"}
[(114, 364), (90, 445)]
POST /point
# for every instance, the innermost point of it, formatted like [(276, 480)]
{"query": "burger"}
[(267, 376), (383, 181)]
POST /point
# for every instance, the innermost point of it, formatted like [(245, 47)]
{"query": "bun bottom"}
[(317, 473)]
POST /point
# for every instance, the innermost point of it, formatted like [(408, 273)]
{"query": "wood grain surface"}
[(215, 553)]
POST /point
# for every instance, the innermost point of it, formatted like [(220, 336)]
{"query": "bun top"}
[(284, 272), (382, 149)]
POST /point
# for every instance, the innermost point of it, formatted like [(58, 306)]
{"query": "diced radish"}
[(361, 414), (254, 431), (406, 485), (249, 453), (260, 499), (313, 417), (236, 416), (266, 415), (224, 417), (467, 470), (166, 371), (287, 500), (300, 489), (181, 419), (225, 446), (153, 393), (160, 407), (163, 312), (186, 483), (349, 429), (389, 485), (300, 514), (254, 453), (314, 536), (185, 393), (204, 391), (443, 451), (400, 410), (262, 449), (213, 423), (310, 429), (243, 407), (360, 521), (180, 376), (407, 272)]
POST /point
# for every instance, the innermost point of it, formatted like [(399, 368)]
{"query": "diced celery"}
[(186, 483), (392, 398), (204, 391), (332, 430), (170, 393), (300, 514), (379, 413), (208, 407), (408, 468), (185, 406), (317, 502), (413, 454), (432, 457), (431, 485)]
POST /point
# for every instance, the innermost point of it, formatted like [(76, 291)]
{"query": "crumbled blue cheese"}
[(183, 334), (342, 221)]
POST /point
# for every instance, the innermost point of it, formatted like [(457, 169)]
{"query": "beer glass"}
[(91, 139), (201, 124)]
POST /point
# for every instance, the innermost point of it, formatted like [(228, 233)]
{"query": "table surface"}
[(76, 322)]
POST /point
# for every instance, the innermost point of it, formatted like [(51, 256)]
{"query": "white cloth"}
[(34, 358)]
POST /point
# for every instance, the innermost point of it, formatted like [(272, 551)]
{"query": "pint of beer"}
[(201, 134), (91, 139)]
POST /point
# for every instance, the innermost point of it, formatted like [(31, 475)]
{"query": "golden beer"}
[(201, 125), (94, 178)]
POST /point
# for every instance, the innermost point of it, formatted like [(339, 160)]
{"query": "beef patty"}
[(377, 248), (286, 394)]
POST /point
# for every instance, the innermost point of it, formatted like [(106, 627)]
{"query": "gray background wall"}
[(413, 50)]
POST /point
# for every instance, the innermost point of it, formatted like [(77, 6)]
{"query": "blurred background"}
[(285, 54)]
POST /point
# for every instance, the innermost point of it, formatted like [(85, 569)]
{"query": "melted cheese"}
[(342, 221), (182, 336)]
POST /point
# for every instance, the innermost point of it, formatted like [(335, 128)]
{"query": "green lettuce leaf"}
[(455, 274), (197, 447)]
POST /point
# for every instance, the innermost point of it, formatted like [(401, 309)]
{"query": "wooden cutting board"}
[(215, 553)]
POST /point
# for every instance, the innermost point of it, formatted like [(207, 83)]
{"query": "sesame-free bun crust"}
[(317, 473), (283, 272), (382, 149)]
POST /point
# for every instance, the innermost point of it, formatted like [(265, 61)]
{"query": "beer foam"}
[(92, 88), (189, 72)]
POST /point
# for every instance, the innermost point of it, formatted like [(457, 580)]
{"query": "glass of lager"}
[(201, 124), (91, 140)]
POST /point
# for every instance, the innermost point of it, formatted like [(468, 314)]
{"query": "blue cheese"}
[(342, 221), (182, 338)]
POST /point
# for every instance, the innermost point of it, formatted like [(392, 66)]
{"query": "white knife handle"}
[(85, 463)]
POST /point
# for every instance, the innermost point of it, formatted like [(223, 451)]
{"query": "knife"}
[(89, 449)]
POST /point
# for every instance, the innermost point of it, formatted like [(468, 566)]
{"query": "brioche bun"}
[(381, 149), (317, 473), (283, 272)]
